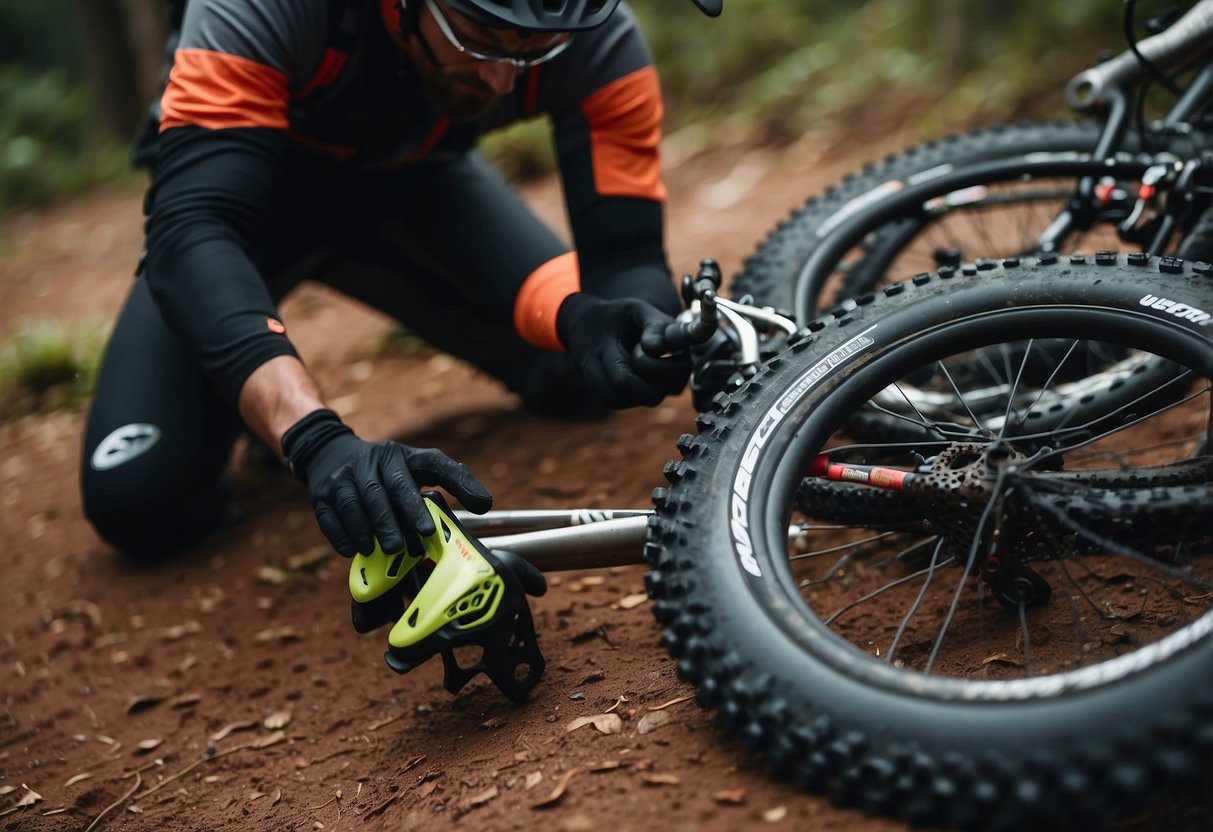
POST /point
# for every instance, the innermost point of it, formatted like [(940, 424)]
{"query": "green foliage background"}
[(765, 71), (782, 63), (769, 70)]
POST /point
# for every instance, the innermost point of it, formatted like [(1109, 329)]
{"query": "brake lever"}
[(701, 318), (701, 321)]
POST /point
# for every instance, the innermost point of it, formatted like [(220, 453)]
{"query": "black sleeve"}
[(209, 194), (606, 108), (620, 251)]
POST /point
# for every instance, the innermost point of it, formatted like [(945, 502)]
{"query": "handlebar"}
[(698, 327), (1184, 38), (706, 316)]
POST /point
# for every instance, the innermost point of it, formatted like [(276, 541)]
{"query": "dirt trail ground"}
[(227, 690)]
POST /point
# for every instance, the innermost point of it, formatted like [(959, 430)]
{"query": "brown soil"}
[(227, 690), (159, 691)]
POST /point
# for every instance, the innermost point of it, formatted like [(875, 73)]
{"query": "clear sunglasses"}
[(559, 43)]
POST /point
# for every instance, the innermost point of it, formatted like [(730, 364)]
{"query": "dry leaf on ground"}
[(652, 721), (283, 633), (627, 602), (673, 701), (309, 560), (605, 723), (272, 575), (775, 815), (660, 779), (180, 631), (185, 700), (278, 719), (731, 796), (142, 703), (558, 792), (482, 798), (244, 725)]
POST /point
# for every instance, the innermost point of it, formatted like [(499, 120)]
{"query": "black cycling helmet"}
[(549, 15)]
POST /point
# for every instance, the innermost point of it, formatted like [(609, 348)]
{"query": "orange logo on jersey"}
[(275, 325)]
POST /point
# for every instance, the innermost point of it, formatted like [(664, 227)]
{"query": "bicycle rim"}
[(1114, 563), (991, 210)]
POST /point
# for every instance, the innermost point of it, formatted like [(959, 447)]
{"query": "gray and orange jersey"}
[(259, 87), (273, 64)]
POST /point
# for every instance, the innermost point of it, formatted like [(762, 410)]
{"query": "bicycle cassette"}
[(472, 596)]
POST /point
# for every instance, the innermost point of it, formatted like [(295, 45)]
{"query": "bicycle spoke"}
[(977, 540), (1121, 427), (852, 545), (891, 585), (905, 621), (1113, 546), (960, 397), (1084, 635), (1044, 388), (1027, 640), (1006, 417)]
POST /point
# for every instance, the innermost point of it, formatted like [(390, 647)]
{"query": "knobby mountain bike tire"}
[(983, 217), (1021, 631)]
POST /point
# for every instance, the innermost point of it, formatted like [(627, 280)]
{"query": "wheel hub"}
[(956, 488)]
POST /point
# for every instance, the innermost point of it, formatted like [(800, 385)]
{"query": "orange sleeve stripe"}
[(540, 297), (216, 91), (625, 131)]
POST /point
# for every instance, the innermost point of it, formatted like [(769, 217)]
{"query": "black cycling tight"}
[(442, 247)]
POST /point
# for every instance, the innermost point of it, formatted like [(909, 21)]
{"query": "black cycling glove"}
[(367, 491), (603, 335)]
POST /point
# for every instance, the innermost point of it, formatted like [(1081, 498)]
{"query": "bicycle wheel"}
[(976, 626), (995, 213)]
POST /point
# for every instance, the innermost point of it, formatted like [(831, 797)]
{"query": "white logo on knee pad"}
[(124, 444)]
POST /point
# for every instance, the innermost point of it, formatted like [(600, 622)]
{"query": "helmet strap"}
[(408, 10)]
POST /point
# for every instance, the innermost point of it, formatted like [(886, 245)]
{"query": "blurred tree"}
[(42, 35), (123, 53), (961, 34)]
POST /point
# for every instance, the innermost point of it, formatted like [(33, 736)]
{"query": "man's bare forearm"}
[(277, 395)]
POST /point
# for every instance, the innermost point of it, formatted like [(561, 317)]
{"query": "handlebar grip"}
[(678, 336)]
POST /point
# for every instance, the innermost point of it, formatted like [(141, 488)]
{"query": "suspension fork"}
[(1080, 213)]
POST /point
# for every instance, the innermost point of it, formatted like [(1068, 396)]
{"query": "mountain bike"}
[(996, 612), (941, 552), (1117, 182), (985, 623)]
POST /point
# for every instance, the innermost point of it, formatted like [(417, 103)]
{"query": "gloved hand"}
[(602, 336), (367, 491)]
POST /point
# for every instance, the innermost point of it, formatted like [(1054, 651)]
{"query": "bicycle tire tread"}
[(921, 783)]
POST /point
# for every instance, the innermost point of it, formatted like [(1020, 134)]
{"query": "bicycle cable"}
[(1149, 65)]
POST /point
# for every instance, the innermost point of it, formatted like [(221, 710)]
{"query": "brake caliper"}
[(473, 596)]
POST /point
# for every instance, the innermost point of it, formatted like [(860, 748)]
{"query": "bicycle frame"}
[(1104, 88), (1185, 38), (565, 538)]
